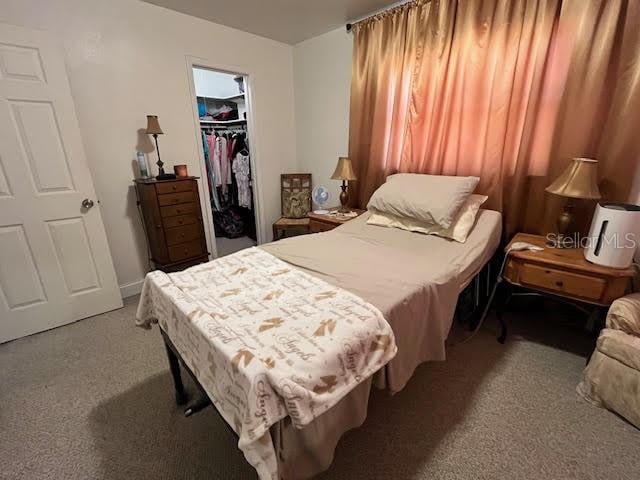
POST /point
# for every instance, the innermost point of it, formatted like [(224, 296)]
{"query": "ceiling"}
[(288, 21)]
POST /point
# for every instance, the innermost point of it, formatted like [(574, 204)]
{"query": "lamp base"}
[(166, 176), (344, 198), (566, 236)]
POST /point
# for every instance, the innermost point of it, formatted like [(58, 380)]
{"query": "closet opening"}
[(223, 115)]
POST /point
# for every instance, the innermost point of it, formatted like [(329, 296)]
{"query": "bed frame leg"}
[(201, 404), (502, 337), (174, 366)]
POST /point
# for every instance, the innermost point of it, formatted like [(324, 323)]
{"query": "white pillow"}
[(458, 231), (432, 199)]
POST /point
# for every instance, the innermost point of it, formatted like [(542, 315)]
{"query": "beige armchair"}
[(612, 377)]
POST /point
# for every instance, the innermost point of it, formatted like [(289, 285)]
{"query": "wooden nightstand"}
[(564, 274), (325, 222)]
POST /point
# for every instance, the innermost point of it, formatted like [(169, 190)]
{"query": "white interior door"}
[(55, 265)]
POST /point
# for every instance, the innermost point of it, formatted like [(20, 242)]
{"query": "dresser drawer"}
[(562, 281), (315, 226), (176, 198), (179, 221), (174, 187), (183, 251), (183, 209), (182, 234)]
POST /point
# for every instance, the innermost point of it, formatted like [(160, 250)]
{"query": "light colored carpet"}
[(227, 246), (93, 400)]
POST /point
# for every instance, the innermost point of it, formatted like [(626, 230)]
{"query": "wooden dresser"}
[(173, 222)]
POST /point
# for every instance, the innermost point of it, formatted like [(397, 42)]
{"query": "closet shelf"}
[(238, 96), (223, 122)]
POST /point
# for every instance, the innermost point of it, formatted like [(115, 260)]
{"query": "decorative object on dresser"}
[(578, 181), (295, 204), (153, 128), (173, 222), (181, 171), (344, 172), (323, 222), (562, 274)]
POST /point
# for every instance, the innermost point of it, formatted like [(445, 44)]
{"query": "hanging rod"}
[(382, 12)]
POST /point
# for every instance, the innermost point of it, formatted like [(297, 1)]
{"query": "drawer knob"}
[(559, 283), (178, 210), (180, 222), (175, 187)]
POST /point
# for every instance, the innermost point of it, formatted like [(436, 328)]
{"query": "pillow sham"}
[(458, 231), (433, 199)]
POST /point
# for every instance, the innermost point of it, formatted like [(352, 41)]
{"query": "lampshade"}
[(343, 171), (153, 127), (579, 180)]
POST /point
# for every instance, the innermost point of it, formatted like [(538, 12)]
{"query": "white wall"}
[(127, 59), (209, 83), (214, 84), (322, 79)]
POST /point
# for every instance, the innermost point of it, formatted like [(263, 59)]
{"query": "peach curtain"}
[(508, 90)]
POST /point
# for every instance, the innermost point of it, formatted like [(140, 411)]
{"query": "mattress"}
[(413, 279)]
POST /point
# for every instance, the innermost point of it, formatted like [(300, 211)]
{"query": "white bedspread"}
[(266, 341)]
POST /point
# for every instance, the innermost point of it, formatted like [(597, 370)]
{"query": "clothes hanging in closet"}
[(221, 164), (229, 177), (242, 171), (215, 202)]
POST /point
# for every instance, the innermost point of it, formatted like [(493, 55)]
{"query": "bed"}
[(412, 280)]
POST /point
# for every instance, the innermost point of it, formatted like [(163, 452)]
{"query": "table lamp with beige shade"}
[(578, 181), (344, 172), (153, 129)]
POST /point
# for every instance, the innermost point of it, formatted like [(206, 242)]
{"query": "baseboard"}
[(131, 289)]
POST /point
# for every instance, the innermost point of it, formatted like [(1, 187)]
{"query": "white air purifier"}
[(615, 235)]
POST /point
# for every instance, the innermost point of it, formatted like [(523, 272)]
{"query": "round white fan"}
[(320, 196)]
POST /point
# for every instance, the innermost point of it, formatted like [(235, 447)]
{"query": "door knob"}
[(86, 203)]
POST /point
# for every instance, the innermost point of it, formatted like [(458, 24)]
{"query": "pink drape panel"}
[(508, 90)]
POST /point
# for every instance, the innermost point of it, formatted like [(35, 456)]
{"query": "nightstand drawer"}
[(182, 234), (183, 251), (316, 226), (176, 198), (183, 209), (562, 282), (174, 187), (179, 221)]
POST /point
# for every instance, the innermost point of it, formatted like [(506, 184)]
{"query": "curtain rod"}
[(383, 11)]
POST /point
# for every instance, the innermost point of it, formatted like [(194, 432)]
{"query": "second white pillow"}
[(458, 230), (434, 199)]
